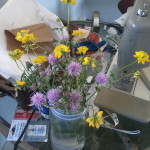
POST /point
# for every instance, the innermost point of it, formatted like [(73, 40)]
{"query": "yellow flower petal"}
[(73, 2), (62, 48), (16, 54), (88, 119), (93, 65), (142, 57), (57, 54), (82, 50), (77, 33), (100, 114), (91, 124), (32, 37), (20, 82), (25, 39), (98, 123), (40, 59), (24, 31), (86, 60), (24, 36)]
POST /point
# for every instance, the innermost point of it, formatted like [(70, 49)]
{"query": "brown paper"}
[(42, 33)]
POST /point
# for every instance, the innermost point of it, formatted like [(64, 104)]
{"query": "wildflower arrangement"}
[(62, 79)]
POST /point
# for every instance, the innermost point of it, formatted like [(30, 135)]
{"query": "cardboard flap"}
[(41, 31)]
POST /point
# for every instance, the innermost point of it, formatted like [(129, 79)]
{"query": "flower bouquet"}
[(61, 81)]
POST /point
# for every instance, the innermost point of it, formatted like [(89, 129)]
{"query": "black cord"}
[(18, 141)]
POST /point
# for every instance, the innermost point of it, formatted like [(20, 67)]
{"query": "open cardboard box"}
[(134, 105)]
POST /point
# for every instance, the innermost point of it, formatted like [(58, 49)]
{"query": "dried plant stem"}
[(40, 47), (34, 53)]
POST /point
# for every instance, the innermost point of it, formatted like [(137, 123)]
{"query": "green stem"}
[(18, 66), (25, 70), (28, 79), (29, 56), (124, 77), (125, 66), (68, 17)]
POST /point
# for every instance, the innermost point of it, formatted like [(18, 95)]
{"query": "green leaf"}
[(58, 20)]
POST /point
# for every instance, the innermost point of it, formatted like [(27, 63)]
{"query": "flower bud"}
[(42, 74)]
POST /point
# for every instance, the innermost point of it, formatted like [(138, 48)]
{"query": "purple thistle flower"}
[(53, 95), (75, 97), (38, 99), (51, 59), (73, 106), (48, 71), (101, 78), (74, 69)]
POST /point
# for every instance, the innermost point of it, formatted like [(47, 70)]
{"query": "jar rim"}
[(60, 115)]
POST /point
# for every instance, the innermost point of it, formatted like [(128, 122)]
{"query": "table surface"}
[(107, 139)]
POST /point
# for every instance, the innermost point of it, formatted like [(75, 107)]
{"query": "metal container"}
[(136, 35)]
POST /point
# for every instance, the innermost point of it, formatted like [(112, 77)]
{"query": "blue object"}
[(109, 48), (44, 110)]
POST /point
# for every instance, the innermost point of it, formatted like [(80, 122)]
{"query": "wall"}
[(84, 8)]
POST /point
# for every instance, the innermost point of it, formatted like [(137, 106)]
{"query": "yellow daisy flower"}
[(90, 121), (62, 48), (73, 2), (40, 59), (82, 50), (24, 36), (20, 82), (96, 121), (86, 60), (59, 49), (16, 54), (77, 33), (141, 56), (25, 39)]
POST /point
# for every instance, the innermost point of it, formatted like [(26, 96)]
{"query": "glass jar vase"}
[(67, 130)]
